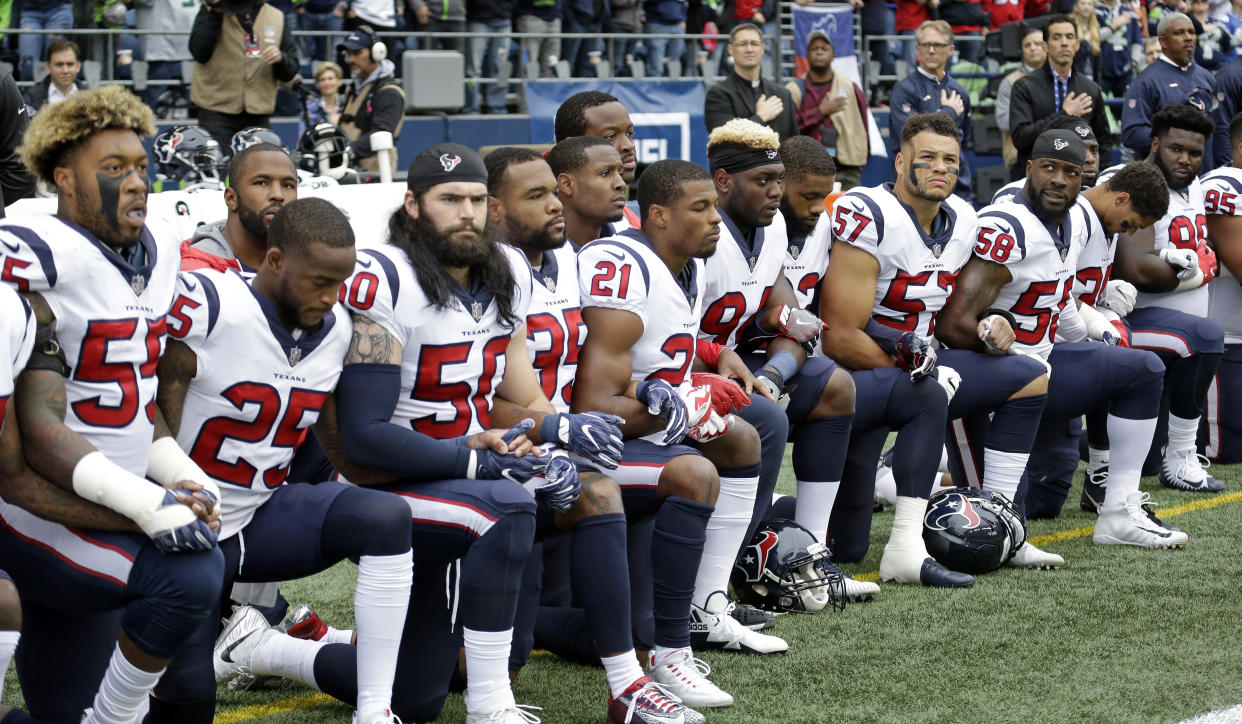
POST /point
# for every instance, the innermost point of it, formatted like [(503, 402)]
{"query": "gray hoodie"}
[(210, 238)]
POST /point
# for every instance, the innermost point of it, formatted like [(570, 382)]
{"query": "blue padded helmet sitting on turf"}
[(785, 569), (187, 154), (972, 531)]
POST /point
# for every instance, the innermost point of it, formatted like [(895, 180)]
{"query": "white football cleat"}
[(885, 488), (857, 591), (242, 633), (685, 677), (1028, 556), (1188, 471), (714, 627), (386, 718), (1132, 526), (514, 714)]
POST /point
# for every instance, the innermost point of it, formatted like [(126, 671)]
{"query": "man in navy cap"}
[(375, 101)]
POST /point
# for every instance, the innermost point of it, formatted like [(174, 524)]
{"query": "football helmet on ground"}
[(785, 569), (972, 531)]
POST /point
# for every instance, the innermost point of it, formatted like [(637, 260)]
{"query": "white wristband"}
[(99, 480), (1194, 282), (1097, 324), (167, 463)]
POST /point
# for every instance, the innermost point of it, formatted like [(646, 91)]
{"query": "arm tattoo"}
[(178, 366), (50, 447), (371, 344)]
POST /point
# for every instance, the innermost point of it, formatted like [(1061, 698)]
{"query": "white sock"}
[(380, 602), (338, 636), (660, 654), (907, 532), (287, 657), (1182, 435), (8, 644), (1132, 438), (622, 671), (725, 531), (487, 670), (123, 689), (815, 506), (1002, 471), (1099, 458)]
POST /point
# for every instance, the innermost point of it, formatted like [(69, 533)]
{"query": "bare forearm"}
[(852, 348), (49, 446)]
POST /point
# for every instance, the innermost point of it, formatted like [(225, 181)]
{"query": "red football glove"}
[(1207, 262), (727, 395)]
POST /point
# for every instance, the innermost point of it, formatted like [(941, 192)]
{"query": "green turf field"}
[(1118, 635)]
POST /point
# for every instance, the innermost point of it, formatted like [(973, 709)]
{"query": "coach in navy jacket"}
[(1172, 80), (1229, 96)]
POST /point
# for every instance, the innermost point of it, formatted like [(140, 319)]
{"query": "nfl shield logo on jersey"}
[(794, 251), (295, 354), (937, 249), (476, 310), (752, 261), (550, 283), (137, 283)]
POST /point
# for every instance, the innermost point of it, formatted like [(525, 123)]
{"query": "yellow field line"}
[(260, 711), (1082, 532)]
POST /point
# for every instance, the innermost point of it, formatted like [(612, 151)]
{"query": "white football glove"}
[(1185, 262), (1098, 326), (711, 428), (1119, 296), (698, 402), (948, 378), (799, 324)]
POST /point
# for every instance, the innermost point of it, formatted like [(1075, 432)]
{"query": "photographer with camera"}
[(241, 51)]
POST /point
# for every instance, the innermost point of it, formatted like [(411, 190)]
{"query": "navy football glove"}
[(491, 465), (560, 492), (593, 435), (195, 535), (664, 402), (915, 355)]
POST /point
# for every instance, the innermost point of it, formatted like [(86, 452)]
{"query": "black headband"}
[(735, 160), (444, 163)]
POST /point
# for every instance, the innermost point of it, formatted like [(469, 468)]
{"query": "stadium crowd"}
[(547, 406)]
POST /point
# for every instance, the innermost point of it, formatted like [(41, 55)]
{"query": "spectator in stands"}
[(241, 49), (832, 109), (967, 19), (1002, 12), (375, 101), (878, 18), (63, 64), (1172, 79), (164, 51), (761, 13), (930, 89), (1034, 55), (440, 16), (911, 14), (583, 16), (1229, 97), (15, 182), (327, 106), (664, 17), (626, 17), (1214, 48), (1055, 88), (40, 15), (381, 16), (1088, 26), (484, 55), (1151, 53), (1120, 30), (745, 93), (319, 15), (542, 17)]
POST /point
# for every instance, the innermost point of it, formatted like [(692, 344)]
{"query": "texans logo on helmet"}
[(756, 561), (947, 508), (449, 161)]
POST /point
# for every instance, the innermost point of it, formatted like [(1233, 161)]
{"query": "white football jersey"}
[(1184, 226), (806, 262), (916, 270), (258, 386), (1042, 263), (1222, 196), (16, 342), (624, 272), (554, 328), (110, 321), (452, 357), (738, 278), (1095, 261)]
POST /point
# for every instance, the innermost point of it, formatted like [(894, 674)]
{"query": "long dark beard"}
[(1043, 213), (529, 238), (252, 222), (432, 254)]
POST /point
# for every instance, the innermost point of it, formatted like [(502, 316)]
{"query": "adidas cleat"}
[(714, 627), (755, 619)]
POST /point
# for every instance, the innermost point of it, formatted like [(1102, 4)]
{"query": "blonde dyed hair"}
[(745, 133), (58, 129)]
